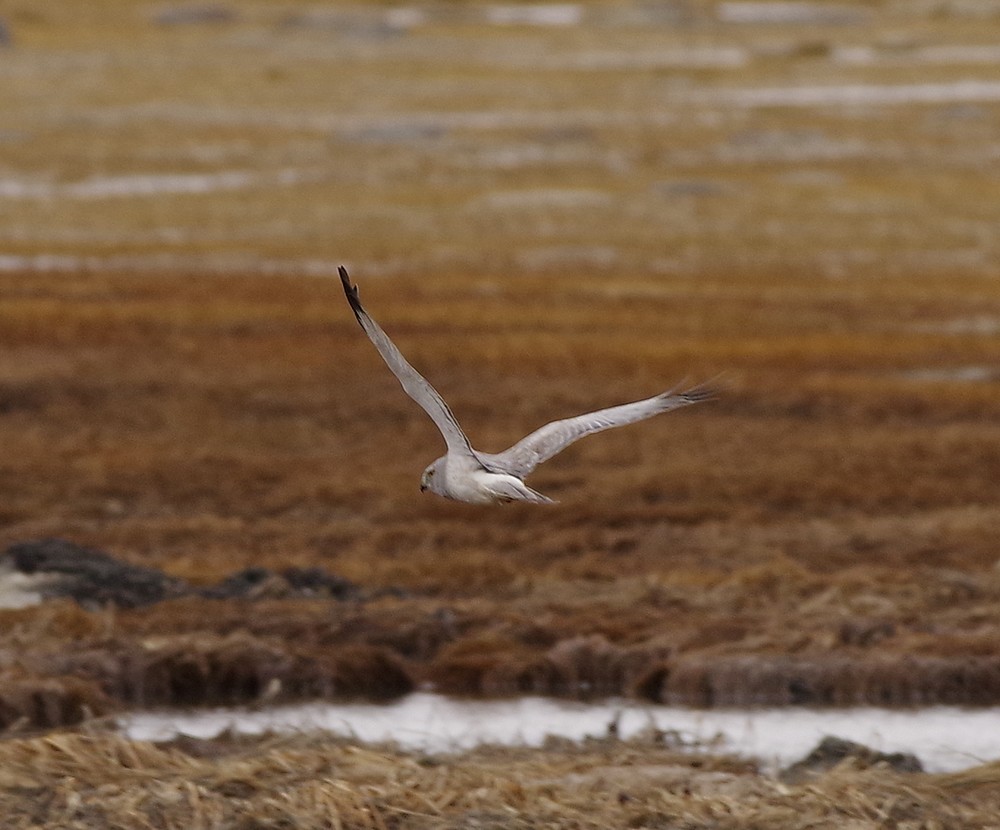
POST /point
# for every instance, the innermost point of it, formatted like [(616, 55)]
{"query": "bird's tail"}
[(513, 489), (534, 497)]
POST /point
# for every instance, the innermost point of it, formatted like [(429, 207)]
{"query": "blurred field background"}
[(551, 208)]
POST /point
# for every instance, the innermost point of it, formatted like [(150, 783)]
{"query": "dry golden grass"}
[(95, 780)]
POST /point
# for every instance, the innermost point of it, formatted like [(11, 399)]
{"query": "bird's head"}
[(433, 478)]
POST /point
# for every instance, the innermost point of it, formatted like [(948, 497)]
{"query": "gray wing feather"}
[(413, 383), (552, 438)]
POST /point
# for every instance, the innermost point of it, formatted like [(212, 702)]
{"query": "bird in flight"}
[(466, 474)]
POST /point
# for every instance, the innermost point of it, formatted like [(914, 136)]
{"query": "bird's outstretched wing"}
[(410, 379), (552, 438)]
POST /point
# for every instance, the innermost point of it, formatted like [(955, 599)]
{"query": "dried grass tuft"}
[(32, 702), (105, 781), (828, 680), (200, 670)]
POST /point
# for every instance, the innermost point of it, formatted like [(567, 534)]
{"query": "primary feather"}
[(553, 438)]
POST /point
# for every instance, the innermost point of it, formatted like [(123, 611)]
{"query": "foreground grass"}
[(102, 781)]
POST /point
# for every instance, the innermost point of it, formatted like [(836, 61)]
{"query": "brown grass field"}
[(547, 219)]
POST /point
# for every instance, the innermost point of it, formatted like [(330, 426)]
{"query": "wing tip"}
[(350, 290), (707, 391)]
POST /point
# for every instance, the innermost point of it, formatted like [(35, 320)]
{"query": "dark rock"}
[(292, 582), (832, 751), (318, 582), (89, 576), (50, 568), (240, 584)]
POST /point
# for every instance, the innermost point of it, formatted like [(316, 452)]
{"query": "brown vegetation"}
[(547, 219), (859, 637), (828, 513)]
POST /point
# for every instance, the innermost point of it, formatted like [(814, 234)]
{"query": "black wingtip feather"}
[(350, 290), (707, 391), (700, 394), (696, 394)]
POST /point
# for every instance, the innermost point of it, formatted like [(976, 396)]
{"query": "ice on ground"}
[(943, 738)]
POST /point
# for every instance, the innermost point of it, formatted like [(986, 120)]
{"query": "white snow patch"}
[(943, 738)]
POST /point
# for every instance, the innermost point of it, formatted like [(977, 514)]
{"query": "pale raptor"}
[(466, 474)]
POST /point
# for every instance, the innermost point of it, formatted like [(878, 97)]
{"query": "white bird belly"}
[(478, 486), (481, 487)]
